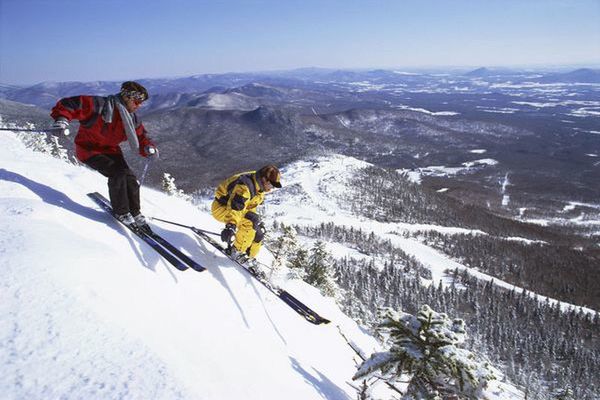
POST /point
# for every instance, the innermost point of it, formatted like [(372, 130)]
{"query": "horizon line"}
[(578, 65)]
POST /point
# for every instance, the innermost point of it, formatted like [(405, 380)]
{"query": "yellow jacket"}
[(238, 195)]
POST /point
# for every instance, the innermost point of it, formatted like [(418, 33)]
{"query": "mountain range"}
[(544, 141), (481, 181)]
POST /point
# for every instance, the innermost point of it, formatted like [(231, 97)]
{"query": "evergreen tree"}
[(284, 247), (298, 263), (34, 140), (57, 150), (318, 271), (424, 350), (168, 185), (563, 394)]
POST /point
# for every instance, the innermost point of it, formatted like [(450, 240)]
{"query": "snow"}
[(229, 101), (343, 121), (405, 73), (414, 175), (366, 86), (585, 112), (558, 103), (498, 110), (503, 185), (89, 311), (422, 110), (534, 104), (483, 161), (573, 204)]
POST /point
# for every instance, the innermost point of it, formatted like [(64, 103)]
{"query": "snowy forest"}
[(549, 352)]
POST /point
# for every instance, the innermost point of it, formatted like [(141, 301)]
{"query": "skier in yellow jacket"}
[(236, 200)]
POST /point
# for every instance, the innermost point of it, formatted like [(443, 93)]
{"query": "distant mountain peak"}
[(482, 71)]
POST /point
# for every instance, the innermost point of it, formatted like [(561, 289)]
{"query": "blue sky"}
[(86, 40)]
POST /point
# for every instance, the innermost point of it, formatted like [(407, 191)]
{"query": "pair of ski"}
[(182, 262), (168, 251), (301, 308)]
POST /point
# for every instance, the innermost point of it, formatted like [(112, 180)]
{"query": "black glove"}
[(60, 127), (227, 233), (262, 229)]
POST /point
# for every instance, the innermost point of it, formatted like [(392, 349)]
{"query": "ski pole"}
[(186, 226), (144, 172), (30, 130)]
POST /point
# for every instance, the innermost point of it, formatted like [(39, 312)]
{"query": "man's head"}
[(270, 177), (133, 95)]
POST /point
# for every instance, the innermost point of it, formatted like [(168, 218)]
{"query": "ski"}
[(181, 255), (105, 205), (301, 308)]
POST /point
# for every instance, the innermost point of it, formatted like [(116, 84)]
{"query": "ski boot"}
[(142, 223), (252, 265), (126, 219), (236, 255)]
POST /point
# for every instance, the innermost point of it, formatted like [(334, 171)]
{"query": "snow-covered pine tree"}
[(563, 394), (284, 247), (38, 141), (424, 351), (58, 151), (168, 185), (318, 271), (298, 263), (33, 140)]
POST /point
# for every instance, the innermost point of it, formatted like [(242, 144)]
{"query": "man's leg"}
[(133, 192), (114, 167), (249, 237)]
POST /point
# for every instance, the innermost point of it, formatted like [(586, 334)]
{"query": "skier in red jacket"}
[(105, 122)]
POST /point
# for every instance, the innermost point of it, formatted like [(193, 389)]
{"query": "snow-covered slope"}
[(225, 101), (87, 311)]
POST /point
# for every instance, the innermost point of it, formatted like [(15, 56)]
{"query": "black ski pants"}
[(123, 186)]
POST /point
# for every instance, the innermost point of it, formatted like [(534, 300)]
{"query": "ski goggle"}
[(137, 97)]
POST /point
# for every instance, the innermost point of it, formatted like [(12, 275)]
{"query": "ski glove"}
[(151, 151), (262, 228), (60, 127), (228, 232), (261, 231)]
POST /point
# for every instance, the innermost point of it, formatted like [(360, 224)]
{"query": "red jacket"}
[(95, 136)]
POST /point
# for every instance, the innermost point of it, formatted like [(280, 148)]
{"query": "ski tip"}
[(316, 319)]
